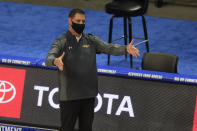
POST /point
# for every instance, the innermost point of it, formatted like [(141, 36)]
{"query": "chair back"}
[(162, 62)]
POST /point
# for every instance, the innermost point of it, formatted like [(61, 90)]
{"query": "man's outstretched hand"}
[(132, 50), (58, 62)]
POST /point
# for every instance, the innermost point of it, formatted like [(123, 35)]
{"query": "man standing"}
[(74, 53)]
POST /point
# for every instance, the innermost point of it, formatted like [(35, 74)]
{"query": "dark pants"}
[(83, 110)]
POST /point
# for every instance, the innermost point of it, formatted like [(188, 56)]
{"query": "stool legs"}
[(125, 33), (145, 33), (110, 36), (130, 38)]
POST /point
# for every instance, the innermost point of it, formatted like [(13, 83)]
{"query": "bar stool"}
[(127, 9)]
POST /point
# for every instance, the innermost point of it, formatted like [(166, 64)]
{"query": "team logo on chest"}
[(85, 46)]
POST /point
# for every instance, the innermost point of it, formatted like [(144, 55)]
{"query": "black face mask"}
[(78, 27)]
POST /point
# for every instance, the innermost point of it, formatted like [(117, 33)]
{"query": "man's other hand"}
[(132, 50), (58, 62)]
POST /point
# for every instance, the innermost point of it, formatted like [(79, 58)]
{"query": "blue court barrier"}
[(107, 70)]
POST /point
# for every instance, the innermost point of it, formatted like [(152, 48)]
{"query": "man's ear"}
[(69, 21)]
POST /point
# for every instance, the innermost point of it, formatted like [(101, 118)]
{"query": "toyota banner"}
[(29, 98)]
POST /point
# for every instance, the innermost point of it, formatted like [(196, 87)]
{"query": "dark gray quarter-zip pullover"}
[(79, 80)]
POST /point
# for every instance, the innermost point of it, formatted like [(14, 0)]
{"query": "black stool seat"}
[(128, 8)]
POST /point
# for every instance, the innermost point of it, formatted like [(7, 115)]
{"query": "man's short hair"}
[(73, 12)]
